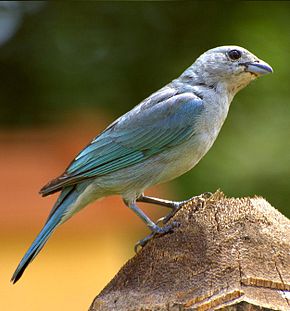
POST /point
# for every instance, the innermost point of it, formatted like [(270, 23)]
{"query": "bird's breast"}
[(213, 116)]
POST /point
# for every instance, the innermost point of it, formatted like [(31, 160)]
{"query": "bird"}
[(161, 138)]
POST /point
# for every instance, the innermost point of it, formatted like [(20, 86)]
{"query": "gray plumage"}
[(160, 139)]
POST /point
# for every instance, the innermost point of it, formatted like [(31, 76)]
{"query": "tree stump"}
[(227, 254)]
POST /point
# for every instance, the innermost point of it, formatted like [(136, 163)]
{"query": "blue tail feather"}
[(62, 205), (34, 249)]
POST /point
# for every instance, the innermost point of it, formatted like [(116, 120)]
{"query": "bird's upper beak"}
[(258, 67)]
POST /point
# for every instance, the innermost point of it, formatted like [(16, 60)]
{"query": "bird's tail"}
[(60, 213)]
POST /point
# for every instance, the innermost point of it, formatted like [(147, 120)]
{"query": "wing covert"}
[(144, 131)]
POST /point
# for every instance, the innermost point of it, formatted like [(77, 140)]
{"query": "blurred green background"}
[(69, 68)]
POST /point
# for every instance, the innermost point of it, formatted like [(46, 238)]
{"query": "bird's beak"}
[(258, 67)]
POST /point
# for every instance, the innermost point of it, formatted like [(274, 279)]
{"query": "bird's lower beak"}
[(258, 68)]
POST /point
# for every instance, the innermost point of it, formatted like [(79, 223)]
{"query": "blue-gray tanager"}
[(160, 139)]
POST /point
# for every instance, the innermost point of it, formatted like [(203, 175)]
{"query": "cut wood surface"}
[(229, 254)]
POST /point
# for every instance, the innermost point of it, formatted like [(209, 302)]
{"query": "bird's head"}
[(230, 65)]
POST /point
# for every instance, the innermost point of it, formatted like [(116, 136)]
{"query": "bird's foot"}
[(176, 206), (156, 230), (199, 200)]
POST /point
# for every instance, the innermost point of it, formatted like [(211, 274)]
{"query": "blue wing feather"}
[(146, 130)]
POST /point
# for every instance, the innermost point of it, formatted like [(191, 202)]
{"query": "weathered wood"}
[(229, 254)]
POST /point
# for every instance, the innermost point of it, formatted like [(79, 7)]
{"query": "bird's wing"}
[(146, 130)]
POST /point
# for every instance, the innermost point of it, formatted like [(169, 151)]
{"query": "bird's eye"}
[(234, 54)]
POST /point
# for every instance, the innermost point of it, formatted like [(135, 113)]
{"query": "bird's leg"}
[(174, 205), (155, 229), (157, 201), (151, 225)]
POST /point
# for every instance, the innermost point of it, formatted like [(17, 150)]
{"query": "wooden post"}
[(229, 254)]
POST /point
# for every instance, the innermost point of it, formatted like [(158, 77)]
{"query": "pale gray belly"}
[(132, 181)]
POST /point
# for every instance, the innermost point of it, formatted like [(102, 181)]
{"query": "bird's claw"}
[(200, 200), (157, 231), (160, 220), (164, 220), (141, 243), (206, 195)]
